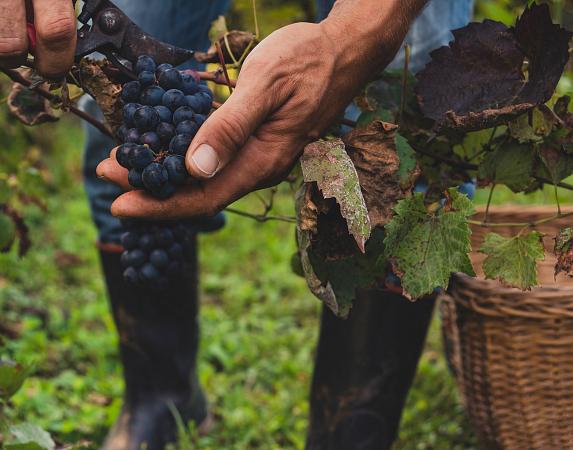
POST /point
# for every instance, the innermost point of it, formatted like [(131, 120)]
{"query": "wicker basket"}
[(511, 352)]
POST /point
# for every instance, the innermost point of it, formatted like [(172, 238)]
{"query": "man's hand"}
[(55, 23), (292, 86)]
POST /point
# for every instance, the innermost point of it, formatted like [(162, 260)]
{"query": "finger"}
[(228, 129), (13, 35), (110, 170), (55, 22), (258, 164)]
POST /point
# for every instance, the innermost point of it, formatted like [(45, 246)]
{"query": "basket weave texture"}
[(511, 352)]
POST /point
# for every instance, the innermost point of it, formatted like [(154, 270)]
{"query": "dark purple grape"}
[(133, 135), (123, 153), (205, 89), (187, 127), (130, 92), (128, 112), (133, 258), (170, 79), (152, 96), (146, 118), (140, 157), (131, 276), (175, 165), (206, 102), (194, 102), (154, 176), (129, 240), (165, 131), (134, 178), (151, 139), (165, 191), (180, 143), (176, 252), (183, 113), (149, 273), (173, 99), (122, 132), (199, 119), (164, 237), (189, 85), (165, 114), (162, 68), (145, 63), (159, 258), (146, 79), (146, 242)]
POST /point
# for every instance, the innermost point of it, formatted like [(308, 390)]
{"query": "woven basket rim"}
[(491, 298)]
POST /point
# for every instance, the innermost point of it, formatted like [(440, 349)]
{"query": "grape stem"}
[(16, 77), (217, 77), (261, 217)]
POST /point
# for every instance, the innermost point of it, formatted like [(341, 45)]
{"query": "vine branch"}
[(261, 217)]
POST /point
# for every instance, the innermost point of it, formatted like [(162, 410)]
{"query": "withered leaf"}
[(386, 167), (564, 252), (105, 92), (478, 81), (29, 107), (328, 165)]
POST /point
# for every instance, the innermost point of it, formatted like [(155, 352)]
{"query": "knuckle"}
[(57, 33), (232, 130)]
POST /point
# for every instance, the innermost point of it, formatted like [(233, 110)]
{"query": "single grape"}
[(189, 85), (159, 258), (149, 272), (128, 112), (170, 79), (183, 113), (151, 139), (146, 118), (165, 191), (187, 127), (162, 68), (165, 131), (145, 63), (154, 176), (194, 102), (173, 99), (134, 178), (146, 78), (123, 153), (152, 96), (133, 258), (130, 92), (164, 237), (205, 90), (140, 157), (131, 276), (199, 119), (175, 165), (133, 135), (122, 132), (176, 252), (180, 143), (146, 242), (165, 114), (129, 240)]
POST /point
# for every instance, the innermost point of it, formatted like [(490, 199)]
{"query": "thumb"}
[(226, 130)]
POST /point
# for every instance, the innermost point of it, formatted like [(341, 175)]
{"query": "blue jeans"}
[(186, 23)]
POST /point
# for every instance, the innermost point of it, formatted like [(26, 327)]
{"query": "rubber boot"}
[(364, 368), (159, 335)]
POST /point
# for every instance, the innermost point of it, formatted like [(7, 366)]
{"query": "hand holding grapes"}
[(55, 23), (292, 87)]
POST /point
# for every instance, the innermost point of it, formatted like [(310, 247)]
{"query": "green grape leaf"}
[(328, 164), (7, 232), (12, 376), (564, 252), (513, 261), (425, 248), (532, 127), (512, 165), (27, 436), (367, 117), (386, 166)]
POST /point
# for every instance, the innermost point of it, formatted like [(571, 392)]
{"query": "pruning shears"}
[(106, 29)]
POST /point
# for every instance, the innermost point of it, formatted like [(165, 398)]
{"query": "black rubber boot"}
[(364, 368), (159, 336)]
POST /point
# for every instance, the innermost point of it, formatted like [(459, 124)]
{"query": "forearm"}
[(368, 33)]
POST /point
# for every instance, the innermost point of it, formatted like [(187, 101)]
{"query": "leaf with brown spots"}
[(564, 252), (29, 107)]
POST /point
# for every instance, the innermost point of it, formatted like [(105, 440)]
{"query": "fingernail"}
[(206, 159)]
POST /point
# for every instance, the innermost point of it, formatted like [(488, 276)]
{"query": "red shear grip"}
[(31, 29)]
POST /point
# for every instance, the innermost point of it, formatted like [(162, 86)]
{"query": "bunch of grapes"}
[(154, 253), (162, 112)]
